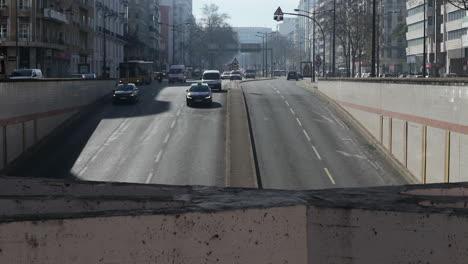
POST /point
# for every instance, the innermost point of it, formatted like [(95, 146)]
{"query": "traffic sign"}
[(235, 61), (278, 16)]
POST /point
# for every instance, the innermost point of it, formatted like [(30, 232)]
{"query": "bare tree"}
[(460, 4)]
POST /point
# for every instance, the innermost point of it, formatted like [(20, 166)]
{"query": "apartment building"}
[(180, 20), (109, 40), (54, 36), (454, 43), (143, 31)]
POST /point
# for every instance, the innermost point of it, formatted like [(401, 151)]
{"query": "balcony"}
[(55, 15)]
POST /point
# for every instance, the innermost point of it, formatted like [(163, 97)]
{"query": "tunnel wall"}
[(422, 123), (31, 110)]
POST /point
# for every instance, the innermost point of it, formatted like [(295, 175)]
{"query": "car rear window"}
[(22, 73), (124, 87), (175, 71), (211, 76), (199, 88)]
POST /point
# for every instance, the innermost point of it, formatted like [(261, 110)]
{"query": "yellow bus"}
[(137, 72)]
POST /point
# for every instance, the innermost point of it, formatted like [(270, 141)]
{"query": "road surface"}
[(158, 140), (302, 143)]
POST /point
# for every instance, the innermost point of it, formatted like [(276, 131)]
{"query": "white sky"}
[(248, 13)]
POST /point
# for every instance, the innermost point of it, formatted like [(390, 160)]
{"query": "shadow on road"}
[(55, 157)]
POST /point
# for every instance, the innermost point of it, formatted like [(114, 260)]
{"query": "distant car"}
[(250, 74), (366, 75), (26, 74), (293, 75), (226, 75), (236, 75), (277, 73), (449, 75), (199, 93), (126, 92), (213, 79), (89, 76)]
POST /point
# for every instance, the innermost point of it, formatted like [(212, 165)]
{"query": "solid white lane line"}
[(287, 103), (150, 177), (298, 121), (167, 138), (158, 157), (292, 111), (338, 121), (173, 124), (307, 135), (316, 153), (329, 176)]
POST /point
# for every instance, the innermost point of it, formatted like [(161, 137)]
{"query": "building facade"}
[(288, 26), (453, 57), (54, 36), (143, 31), (180, 17), (109, 39)]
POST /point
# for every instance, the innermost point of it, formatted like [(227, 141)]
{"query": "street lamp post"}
[(266, 51), (323, 35), (173, 28), (263, 54)]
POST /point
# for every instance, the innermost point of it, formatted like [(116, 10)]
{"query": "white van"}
[(177, 74), (213, 79), (26, 74)]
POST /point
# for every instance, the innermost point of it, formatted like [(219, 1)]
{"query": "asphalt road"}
[(302, 143), (158, 140)]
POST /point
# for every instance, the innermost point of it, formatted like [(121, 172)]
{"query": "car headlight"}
[(114, 95), (189, 97), (132, 95), (208, 97)]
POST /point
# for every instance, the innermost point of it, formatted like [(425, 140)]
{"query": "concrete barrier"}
[(31, 110), (422, 123), (52, 222)]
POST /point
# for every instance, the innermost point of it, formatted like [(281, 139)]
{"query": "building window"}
[(456, 34), (415, 26), (3, 4), (24, 32), (24, 4), (415, 42), (455, 15), (416, 10), (3, 31)]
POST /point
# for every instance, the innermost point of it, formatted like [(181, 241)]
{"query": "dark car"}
[(293, 75), (199, 93), (126, 92), (250, 74)]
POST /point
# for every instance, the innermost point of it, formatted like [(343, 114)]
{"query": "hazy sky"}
[(248, 13)]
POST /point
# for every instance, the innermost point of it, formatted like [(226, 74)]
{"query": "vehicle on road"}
[(226, 75), (250, 74), (449, 75), (236, 75), (199, 93), (137, 72), (177, 74), (26, 74), (213, 79), (293, 75), (277, 73), (126, 92)]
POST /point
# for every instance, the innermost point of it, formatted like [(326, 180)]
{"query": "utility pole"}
[(17, 36), (104, 61), (374, 8), (424, 70), (334, 38)]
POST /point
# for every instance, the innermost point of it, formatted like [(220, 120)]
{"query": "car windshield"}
[(176, 71), (199, 88), (235, 72), (22, 73), (211, 76), (125, 87)]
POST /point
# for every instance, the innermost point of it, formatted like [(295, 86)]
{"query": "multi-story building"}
[(180, 20), (54, 36), (391, 49), (164, 19), (420, 32), (143, 31), (454, 44), (109, 40)]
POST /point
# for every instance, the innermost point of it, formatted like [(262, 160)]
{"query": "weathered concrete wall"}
[(55, 222), (31, 110), (423, 123)]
